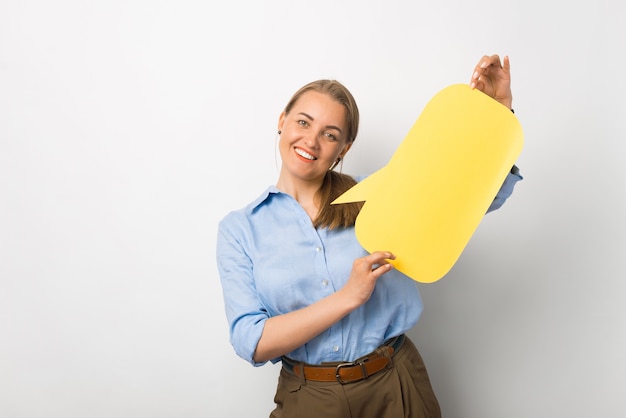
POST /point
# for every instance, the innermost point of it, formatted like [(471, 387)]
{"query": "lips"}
[(305, 155)]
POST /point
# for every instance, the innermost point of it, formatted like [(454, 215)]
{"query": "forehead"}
[(321, 107)]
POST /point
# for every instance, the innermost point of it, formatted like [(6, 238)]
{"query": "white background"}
[(128, 129)]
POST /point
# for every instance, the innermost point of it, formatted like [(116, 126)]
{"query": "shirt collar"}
[(271, 190)]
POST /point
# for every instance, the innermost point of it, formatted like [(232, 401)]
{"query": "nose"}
[(312, 140)]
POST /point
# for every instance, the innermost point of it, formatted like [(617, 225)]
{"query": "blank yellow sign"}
[(426, 203)]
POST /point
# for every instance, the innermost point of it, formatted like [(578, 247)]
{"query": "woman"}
[(298, 287)]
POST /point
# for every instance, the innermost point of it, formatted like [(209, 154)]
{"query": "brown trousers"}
[(401, 391)]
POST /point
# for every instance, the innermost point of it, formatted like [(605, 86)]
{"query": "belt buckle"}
[(355, 363)]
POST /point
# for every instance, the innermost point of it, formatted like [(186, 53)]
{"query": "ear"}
[(345, 150), (281, 121)]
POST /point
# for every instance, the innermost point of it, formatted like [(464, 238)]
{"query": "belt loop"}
[(385, 351), (300, 373)]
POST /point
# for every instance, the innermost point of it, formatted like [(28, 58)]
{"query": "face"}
[(313, 136)]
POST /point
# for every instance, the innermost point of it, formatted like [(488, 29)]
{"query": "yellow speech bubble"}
[(426, 203)]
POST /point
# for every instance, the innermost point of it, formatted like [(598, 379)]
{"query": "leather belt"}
[(347, 372)]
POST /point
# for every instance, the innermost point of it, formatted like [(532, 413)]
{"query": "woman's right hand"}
[(286, 332), (365, 272)]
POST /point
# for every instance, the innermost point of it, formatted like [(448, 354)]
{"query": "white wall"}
[(129, 128)]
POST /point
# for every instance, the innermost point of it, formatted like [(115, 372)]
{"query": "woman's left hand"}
[(494, 78)]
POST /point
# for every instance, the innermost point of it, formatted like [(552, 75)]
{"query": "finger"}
[(481, 83), (372, 261), (381, 265), (489, 66), (380, 257), (483, 70), (483, 62), (507, 65), (381, 269), (494, 60), (378, 260), (478, 70)]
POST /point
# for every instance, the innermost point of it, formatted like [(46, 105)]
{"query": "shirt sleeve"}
[(506, 190), (244, 311)]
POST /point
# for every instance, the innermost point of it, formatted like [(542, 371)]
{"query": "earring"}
[(335, 164), (279, 132)]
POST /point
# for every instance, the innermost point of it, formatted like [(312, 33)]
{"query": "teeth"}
[(305, 154)]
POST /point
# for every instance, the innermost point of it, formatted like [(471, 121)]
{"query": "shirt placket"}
[(326, 284)]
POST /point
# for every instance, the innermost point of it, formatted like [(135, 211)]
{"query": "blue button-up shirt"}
[(272, 261)]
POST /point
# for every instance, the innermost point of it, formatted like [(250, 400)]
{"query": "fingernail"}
[(475, 75)]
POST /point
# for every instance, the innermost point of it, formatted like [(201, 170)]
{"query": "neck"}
[(303, 191)]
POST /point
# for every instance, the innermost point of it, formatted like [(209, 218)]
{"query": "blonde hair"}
[(334, 184)]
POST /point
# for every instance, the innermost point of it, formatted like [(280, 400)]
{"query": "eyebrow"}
[(327, 126)]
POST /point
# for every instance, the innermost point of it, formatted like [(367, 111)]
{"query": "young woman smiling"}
[(299, 288)]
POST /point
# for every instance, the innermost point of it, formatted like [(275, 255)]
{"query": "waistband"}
[(347, 372)]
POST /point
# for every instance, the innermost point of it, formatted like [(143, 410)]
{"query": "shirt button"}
[(318, 249), (324, 282), (335, 348)]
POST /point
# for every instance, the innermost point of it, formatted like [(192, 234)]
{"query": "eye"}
[(303, 123), (330, 136)]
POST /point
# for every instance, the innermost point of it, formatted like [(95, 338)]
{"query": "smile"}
[(305, 154)]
